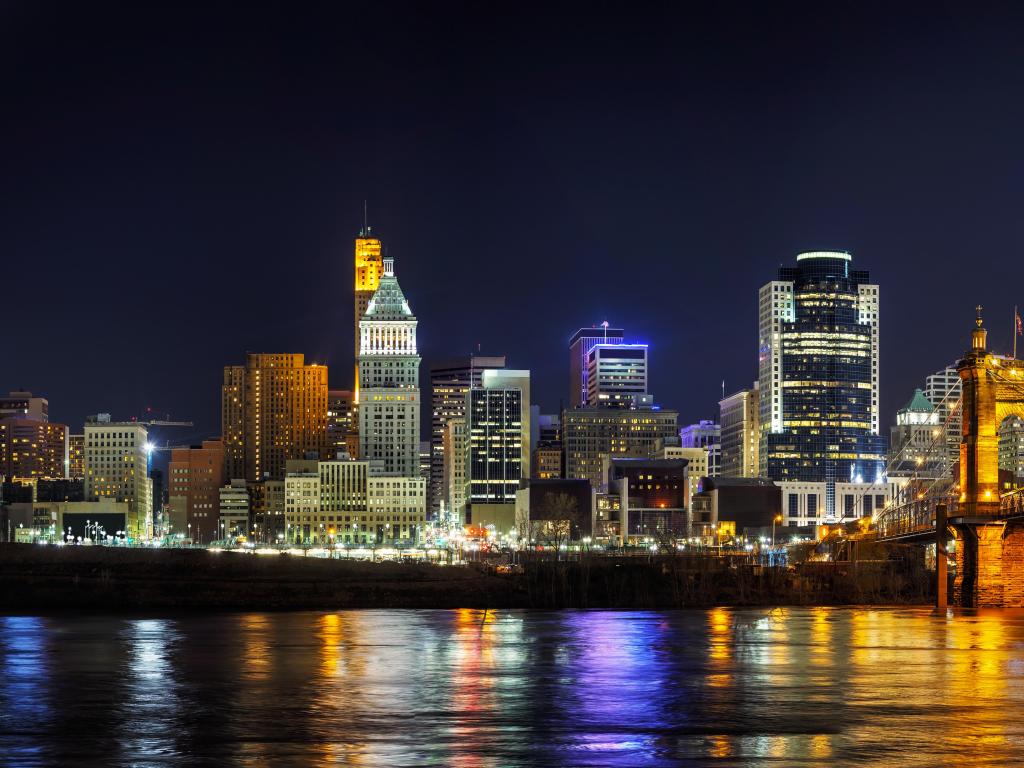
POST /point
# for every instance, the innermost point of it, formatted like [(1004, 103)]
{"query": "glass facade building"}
[(818, 375)]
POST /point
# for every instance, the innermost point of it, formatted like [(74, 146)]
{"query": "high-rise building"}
[(918, 442), (1011, 448), (942, 389), (454, 454), (580, 345), (616, 374), (818, 375), (76, 456), (116, 468), (494, 419), (449, 382), (21, 404), (369, 268), (707, 436), (592, 435), (340, 421), (31, 448), (273, 408), (389, 373), (738, 415), (195, 477)]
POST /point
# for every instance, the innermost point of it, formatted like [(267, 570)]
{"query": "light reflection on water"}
[(815, 686)]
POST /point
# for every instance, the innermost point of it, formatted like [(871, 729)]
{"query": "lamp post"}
[(776, 519)]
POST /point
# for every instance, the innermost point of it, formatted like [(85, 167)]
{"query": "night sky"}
[(179, 185)]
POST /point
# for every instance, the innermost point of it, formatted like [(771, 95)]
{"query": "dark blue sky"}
[(181, 184)]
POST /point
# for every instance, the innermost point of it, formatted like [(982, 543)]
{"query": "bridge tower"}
[(990, 540)]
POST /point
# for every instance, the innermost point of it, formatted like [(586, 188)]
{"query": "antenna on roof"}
[(366, 225)]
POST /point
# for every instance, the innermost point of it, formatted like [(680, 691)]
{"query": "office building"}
[(918, 442), (266, 502), (340, 423), (591, 434), (943, 389), (30, 448), (449, 382), (234, 511), (273, 408), (818, 376), (697, 468), (348, 503), (389, 365), (369, 268), (22, 405), (454, 474), (554, 510), (1011, 450), (616, 374), (745, 505), (76, 456), (546, 461), (117, 469), (705, 435), (494, 435), (195, 476), (652, 499), (580, 345), (738, 417)]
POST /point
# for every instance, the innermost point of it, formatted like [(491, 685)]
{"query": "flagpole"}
[(1015, 316)]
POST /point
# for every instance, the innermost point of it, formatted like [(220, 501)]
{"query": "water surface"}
[(783, 687)]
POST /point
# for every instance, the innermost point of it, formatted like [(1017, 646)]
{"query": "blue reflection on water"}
[(24, 706)]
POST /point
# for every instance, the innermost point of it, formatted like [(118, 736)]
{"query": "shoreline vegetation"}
[(48, 579)]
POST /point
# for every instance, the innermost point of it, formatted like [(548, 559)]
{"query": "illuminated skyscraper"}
[(369, 268), (818, 375), (584, 340), (450, 380), (389, 375), (273, 408)]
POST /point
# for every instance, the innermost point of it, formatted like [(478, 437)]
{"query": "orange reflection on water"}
[(255, 628)]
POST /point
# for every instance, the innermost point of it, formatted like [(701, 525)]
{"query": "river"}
[(729, 687)]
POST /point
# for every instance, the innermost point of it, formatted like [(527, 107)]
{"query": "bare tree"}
[(559, 519)]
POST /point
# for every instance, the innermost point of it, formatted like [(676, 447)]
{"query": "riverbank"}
[(100, 579)]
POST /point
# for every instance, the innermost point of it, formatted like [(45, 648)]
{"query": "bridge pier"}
[(989, 565)]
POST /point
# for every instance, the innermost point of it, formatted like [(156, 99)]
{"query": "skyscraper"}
[(495, 438), (389, 372), (449, 382), (918, 442), (33, 449), (943, 389), (579, 354), (369, 268), (738, 415), (707, 436), (273, 408), (616, 374), (340, 413), (818, 375)]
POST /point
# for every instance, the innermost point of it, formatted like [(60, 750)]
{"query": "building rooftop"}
[(918, 403)]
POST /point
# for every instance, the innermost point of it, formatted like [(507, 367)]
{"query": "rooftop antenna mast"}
[(366, 225)]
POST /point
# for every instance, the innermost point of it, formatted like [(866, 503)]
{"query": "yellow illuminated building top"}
[(369, 269)]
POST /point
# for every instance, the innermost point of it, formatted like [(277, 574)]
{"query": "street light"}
[(776, 519)]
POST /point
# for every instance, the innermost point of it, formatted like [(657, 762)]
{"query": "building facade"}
[(21, 404), (117, 469), (592, 434), (818, 375), (918, 442), (450, 380), (454, 474), (1011, 449), (616, 374), (76, 456), (195, 476), (739, 417), (389, 365), (494, 438), (33, 449), (943, 389), (340, 423), (234, 510), (273, 408), (705, 435), (580, 345)]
